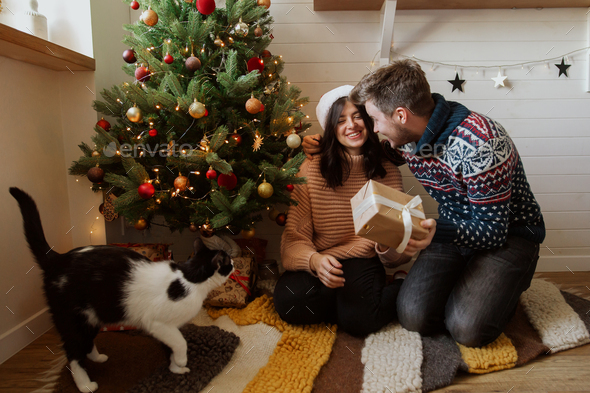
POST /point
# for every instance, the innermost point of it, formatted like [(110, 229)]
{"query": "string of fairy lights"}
[(567, 60)]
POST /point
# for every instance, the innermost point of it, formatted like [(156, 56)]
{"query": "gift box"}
[(237, 290), (387, 216), (153, 251)]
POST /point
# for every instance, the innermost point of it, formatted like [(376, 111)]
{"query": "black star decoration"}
[(457, 83), (563, 68)]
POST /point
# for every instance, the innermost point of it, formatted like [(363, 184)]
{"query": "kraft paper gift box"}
[(382, 214), (155, 252), (237, 290)]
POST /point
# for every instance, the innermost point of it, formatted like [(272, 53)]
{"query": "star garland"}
[(500, 80), (457, 83), (563, 68)]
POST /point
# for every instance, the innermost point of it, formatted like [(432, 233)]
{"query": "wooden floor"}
[(567, 371)]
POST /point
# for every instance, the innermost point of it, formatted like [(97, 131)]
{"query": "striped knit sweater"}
[(322, 221), (468, 163)]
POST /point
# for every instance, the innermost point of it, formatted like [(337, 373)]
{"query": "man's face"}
[(389, 126)]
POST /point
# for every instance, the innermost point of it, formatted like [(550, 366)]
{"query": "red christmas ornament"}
[(206, 7), (281, 219), (206, 113), (255, 63), (153, 132), (261, 107), (168, 59), (142, 74), (237, 138), (265, 54), (135, 5), (129, 56), (228, 181), (290, 187), (146, 190), (211, 174), (105, 125)]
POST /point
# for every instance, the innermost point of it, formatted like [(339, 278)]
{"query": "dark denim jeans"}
[(471, 293), (363, 305)]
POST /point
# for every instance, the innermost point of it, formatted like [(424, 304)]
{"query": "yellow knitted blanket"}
[(498, 355), (299, 355)]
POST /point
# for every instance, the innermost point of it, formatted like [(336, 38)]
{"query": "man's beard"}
[(403, 135)]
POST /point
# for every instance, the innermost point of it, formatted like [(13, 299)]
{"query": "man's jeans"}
[(471, 293)]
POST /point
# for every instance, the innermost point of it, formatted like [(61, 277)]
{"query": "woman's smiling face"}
[(350, 130)]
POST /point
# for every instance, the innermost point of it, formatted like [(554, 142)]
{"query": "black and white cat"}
[(90, 287)]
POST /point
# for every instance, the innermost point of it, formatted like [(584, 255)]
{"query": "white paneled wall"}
[(548, 117), (321, 50)]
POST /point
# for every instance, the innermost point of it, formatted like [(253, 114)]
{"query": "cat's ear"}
[(198, 246)]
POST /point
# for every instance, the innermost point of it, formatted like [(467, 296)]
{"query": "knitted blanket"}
[(273, 356), (319, 359), (138, 363)]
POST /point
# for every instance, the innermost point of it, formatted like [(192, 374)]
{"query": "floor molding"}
[(24, 333)]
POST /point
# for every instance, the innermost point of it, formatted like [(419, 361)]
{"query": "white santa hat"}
[(328, 100)]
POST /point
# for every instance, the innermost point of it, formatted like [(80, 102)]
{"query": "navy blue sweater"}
[(468, 163)]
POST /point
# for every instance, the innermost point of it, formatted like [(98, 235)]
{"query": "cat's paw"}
[(97, 357), (178, 370), (89, 387), (179, 358)]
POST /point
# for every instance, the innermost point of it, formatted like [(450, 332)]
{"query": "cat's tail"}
[(33, 228)]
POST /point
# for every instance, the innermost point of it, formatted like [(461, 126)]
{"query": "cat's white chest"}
[(148, 300)]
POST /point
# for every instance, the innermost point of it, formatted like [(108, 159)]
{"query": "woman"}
[(333, 275)]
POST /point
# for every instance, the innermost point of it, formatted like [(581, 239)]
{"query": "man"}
[(483, 249)]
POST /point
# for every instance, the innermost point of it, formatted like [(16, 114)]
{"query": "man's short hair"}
[(402, 83)]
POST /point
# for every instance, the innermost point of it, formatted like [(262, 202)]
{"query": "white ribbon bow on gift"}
[(408, 210), (407, 217)]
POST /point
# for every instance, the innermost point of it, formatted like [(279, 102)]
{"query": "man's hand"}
[(311, 145), (416, 245), (328, 270)]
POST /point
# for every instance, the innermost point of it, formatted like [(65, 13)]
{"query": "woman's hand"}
[(328, 270), (311, 145), (416, 245)]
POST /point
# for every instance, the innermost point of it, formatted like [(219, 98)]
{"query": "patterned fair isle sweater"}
[(468, 163), (322, 221)]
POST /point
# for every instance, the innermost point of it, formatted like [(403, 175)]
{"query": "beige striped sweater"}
[(322, 221)]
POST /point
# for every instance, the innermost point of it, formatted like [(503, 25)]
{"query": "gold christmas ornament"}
[(258, 32), (193, 227), (197, 109), (248, 233), (253, 105), (95, 154), (134, 114), (241, 28), (264, 3), (149, 17), (293, 141), (141, 224), (207, 229), (181, 183), (265, 190), (218, 41), (230, 40)]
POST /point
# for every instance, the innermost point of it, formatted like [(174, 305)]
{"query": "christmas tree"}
[(206, 134)]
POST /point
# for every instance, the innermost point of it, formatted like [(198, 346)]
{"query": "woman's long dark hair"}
[(334, 163)]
